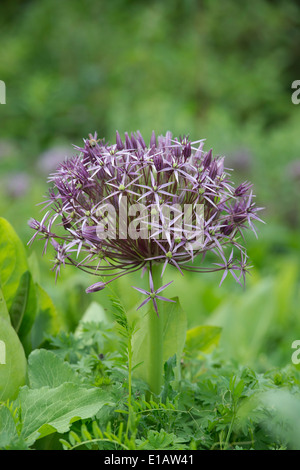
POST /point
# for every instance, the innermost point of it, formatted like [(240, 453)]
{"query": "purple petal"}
[(153, 140), (144, 303), (165, 299), (155, 306), (223, 277), (151, 281), (143, 291)]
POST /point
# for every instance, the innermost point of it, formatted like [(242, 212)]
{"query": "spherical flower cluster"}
[(115, 209)]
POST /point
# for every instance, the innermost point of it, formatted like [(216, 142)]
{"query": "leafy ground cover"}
[(81, 393)]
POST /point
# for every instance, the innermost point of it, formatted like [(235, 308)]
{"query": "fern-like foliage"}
[(94, 438)]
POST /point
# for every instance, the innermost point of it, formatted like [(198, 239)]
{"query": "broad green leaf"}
[(47, 410), (34, 267), (169, 377), (45, 368), (238, 389), (202, 339), (285, 285), (246, 320), (47, 320), (174, 335), (8, 431), (13, 261), (12, 362), (24, 306), (95, 313), (3, 308), (175, 326)]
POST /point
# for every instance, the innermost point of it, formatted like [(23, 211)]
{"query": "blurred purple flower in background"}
[(50, 159), (17, 185)]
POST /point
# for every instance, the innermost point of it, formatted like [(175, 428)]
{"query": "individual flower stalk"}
[(114, 209)]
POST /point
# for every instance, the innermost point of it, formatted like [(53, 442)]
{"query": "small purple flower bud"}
[(141, 140), (207, 159), (153, 140), (177, 150), (119, 142), (95, 287), (158, 162), (187, 150), (90, 233), (242, 189), (134, 141), (34, 224), (168, 139), (213, 170), (227, 230), (55, 245), (128, 144), (220, 167)]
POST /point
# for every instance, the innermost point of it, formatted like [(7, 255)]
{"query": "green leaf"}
[(174, 335), (247, 320), (47, 410), (45, 368), (202, 339), (24, 306), (8, 431), (13, 370), (47, 321), (175, 326), (34, 267), (168, 368), (13, 261), (238, 389), (284, 288), (95, 313), (160, 440), (169, 376)]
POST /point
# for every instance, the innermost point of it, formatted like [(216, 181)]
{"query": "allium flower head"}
[(117, 208)]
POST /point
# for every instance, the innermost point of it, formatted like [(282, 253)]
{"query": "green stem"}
[(155, 337), (130, 409)]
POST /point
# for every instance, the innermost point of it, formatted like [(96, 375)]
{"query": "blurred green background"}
[(220, 71)]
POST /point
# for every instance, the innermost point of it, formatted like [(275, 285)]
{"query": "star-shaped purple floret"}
[(152, 295)]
